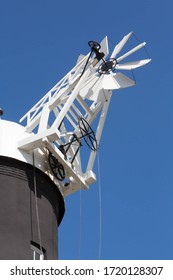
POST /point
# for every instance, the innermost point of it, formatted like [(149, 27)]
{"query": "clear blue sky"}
[(39, 43)]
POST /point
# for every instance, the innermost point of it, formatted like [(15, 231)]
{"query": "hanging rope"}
[(36, 204), (100, 206)]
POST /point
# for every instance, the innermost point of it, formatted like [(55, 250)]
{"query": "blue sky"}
[(40, 43)]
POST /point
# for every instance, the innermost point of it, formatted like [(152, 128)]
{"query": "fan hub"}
[(107, 66)]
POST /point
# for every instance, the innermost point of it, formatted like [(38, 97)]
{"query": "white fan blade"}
[(104, 46), (122, 80), (120, 45), (131, 51), (132, 65), (116, 81), (108, 82), (80, 58)]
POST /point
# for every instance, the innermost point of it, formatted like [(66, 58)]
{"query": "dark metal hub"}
[(107, 66)]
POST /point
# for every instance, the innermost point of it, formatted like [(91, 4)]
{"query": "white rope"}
[(100, 206), (36, 205)]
